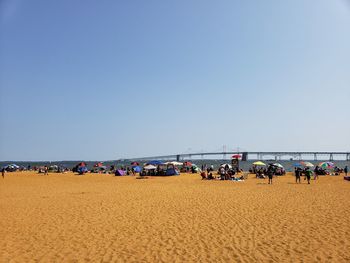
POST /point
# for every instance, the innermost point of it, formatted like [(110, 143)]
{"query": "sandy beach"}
[(102, 218)]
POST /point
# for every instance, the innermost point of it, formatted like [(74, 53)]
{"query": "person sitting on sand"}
[(210, 176), (204, 175), (222, 173), (260, 174)]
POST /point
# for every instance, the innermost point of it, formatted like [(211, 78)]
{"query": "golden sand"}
[(102, 218)]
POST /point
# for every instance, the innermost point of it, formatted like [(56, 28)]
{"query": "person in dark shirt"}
[(270, 173), (297, 175), (346, 170)]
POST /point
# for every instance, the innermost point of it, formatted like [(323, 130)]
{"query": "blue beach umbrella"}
[(137, 169), (155, 162), (298, 165)]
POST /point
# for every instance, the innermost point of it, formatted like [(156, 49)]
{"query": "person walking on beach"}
[(3, 171), (297, 172), (316, 173), (346, 170), (308, 174)]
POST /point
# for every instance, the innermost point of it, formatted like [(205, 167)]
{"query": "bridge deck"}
[(259, 155)]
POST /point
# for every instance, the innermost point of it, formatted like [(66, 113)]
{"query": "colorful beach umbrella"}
[(326, 165), (259, 163)]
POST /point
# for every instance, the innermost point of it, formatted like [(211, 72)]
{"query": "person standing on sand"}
[(297, 174), (3, 171), (46, 170), (316, 173), (270, 172), (346, 170)]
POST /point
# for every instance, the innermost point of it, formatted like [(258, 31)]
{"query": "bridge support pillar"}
[(331, 157), (315, 157), (178, 158)]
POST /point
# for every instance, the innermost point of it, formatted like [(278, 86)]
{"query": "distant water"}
[(288, 165)]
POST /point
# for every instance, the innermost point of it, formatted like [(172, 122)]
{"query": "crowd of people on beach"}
[(224, 172)]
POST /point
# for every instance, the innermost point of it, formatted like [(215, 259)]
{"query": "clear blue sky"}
[(99, 80)]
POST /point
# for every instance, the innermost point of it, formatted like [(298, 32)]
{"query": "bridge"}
[(253, 156)]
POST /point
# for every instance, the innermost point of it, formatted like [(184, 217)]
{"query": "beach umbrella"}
[(154, 162), (278, 165), (236, 156), (134, 164), (297, 165), (150, 167), (187, 164), (259, 163), (174, 163), (304, 164), (326, 165), (137, 169), (307, 164)]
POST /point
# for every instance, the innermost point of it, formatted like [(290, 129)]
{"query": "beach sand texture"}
[(102, 218)]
